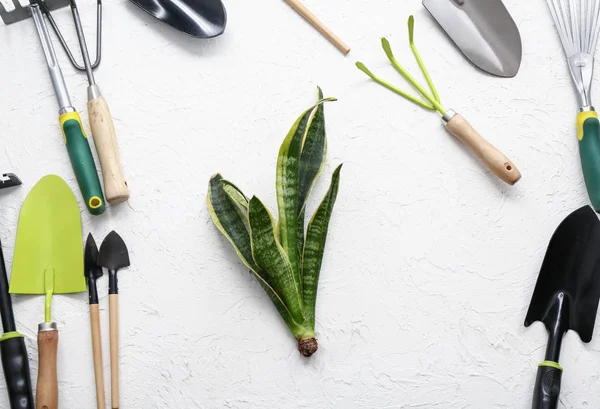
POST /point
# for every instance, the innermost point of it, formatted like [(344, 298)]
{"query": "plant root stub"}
[(308, 346)]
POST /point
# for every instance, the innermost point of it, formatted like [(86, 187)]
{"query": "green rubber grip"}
[(83, 162)]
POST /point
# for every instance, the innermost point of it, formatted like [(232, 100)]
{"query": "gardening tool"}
[(48, 260), (92, 272), (64, 44), (15, 361), (70, 122), (114, 256), (198, 18), (9, 180), (101, 122), (566, 296), (322, 28), (578, 26), (483, 30), (495, 160)]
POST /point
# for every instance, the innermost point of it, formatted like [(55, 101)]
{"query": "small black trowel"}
[(114, 256), (566, 295)]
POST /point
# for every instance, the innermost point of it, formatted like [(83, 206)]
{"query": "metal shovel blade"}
[(483, 30), (198, 18), (48, 249), (568, 287)]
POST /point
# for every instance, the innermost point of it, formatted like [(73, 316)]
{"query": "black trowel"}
[(566, 295)]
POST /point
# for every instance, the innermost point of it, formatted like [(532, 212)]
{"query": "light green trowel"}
[(48, 260)]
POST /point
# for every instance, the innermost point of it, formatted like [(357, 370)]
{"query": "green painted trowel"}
[(48, 260)]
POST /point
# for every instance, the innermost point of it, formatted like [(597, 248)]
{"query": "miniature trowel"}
[(566, 296), (93, 272), (114, 256), (48, 260)]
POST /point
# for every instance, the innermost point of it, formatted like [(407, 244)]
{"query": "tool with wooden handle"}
[(493, 159), (75, 139), (113, 255), (101, 122), (92, 272), (322, 28), (48, 260)]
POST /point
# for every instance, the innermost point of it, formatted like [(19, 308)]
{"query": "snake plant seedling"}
[(285, 260), (495, 160)]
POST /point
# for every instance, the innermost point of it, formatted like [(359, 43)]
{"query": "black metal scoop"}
[(113, 255), (92, 270), (198, 18), (566, 295)]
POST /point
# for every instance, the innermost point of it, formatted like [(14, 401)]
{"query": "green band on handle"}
[(83, 162), (10, 335), (589, 150), (551, 364)]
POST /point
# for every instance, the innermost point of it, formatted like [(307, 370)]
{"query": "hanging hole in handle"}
[(508, 167), (95, 202)]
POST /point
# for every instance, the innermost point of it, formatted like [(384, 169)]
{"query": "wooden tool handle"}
[(312, 19), (103, 131), (113, 302), (46, 395), (97, 351), (495, 160)]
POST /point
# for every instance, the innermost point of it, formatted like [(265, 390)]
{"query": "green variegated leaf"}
[(314, 247), (312, 158), (297, 328), (235, 193), (270, 257), (238, 199), (312, 162), (225, 215), (288, 164)]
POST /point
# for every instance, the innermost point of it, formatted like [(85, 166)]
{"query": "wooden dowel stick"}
[(312, 19)]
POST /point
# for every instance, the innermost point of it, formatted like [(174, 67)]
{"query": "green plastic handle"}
[(83, 162)]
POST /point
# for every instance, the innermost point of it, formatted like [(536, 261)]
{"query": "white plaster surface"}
[(430, 262)]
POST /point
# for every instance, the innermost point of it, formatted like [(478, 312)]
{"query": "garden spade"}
[(48, 260), (566, 295)]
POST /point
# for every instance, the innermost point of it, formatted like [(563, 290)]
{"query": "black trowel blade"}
[(92, 269), (197, 18), (113, 252), (568, 286)]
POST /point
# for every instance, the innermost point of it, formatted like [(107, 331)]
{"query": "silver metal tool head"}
[(20, 13), (483, 30), (577, 25)]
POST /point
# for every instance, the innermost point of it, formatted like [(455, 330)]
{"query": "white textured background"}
[(430, 261)]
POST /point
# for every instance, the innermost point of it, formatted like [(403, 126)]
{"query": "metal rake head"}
[(577, 24)]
